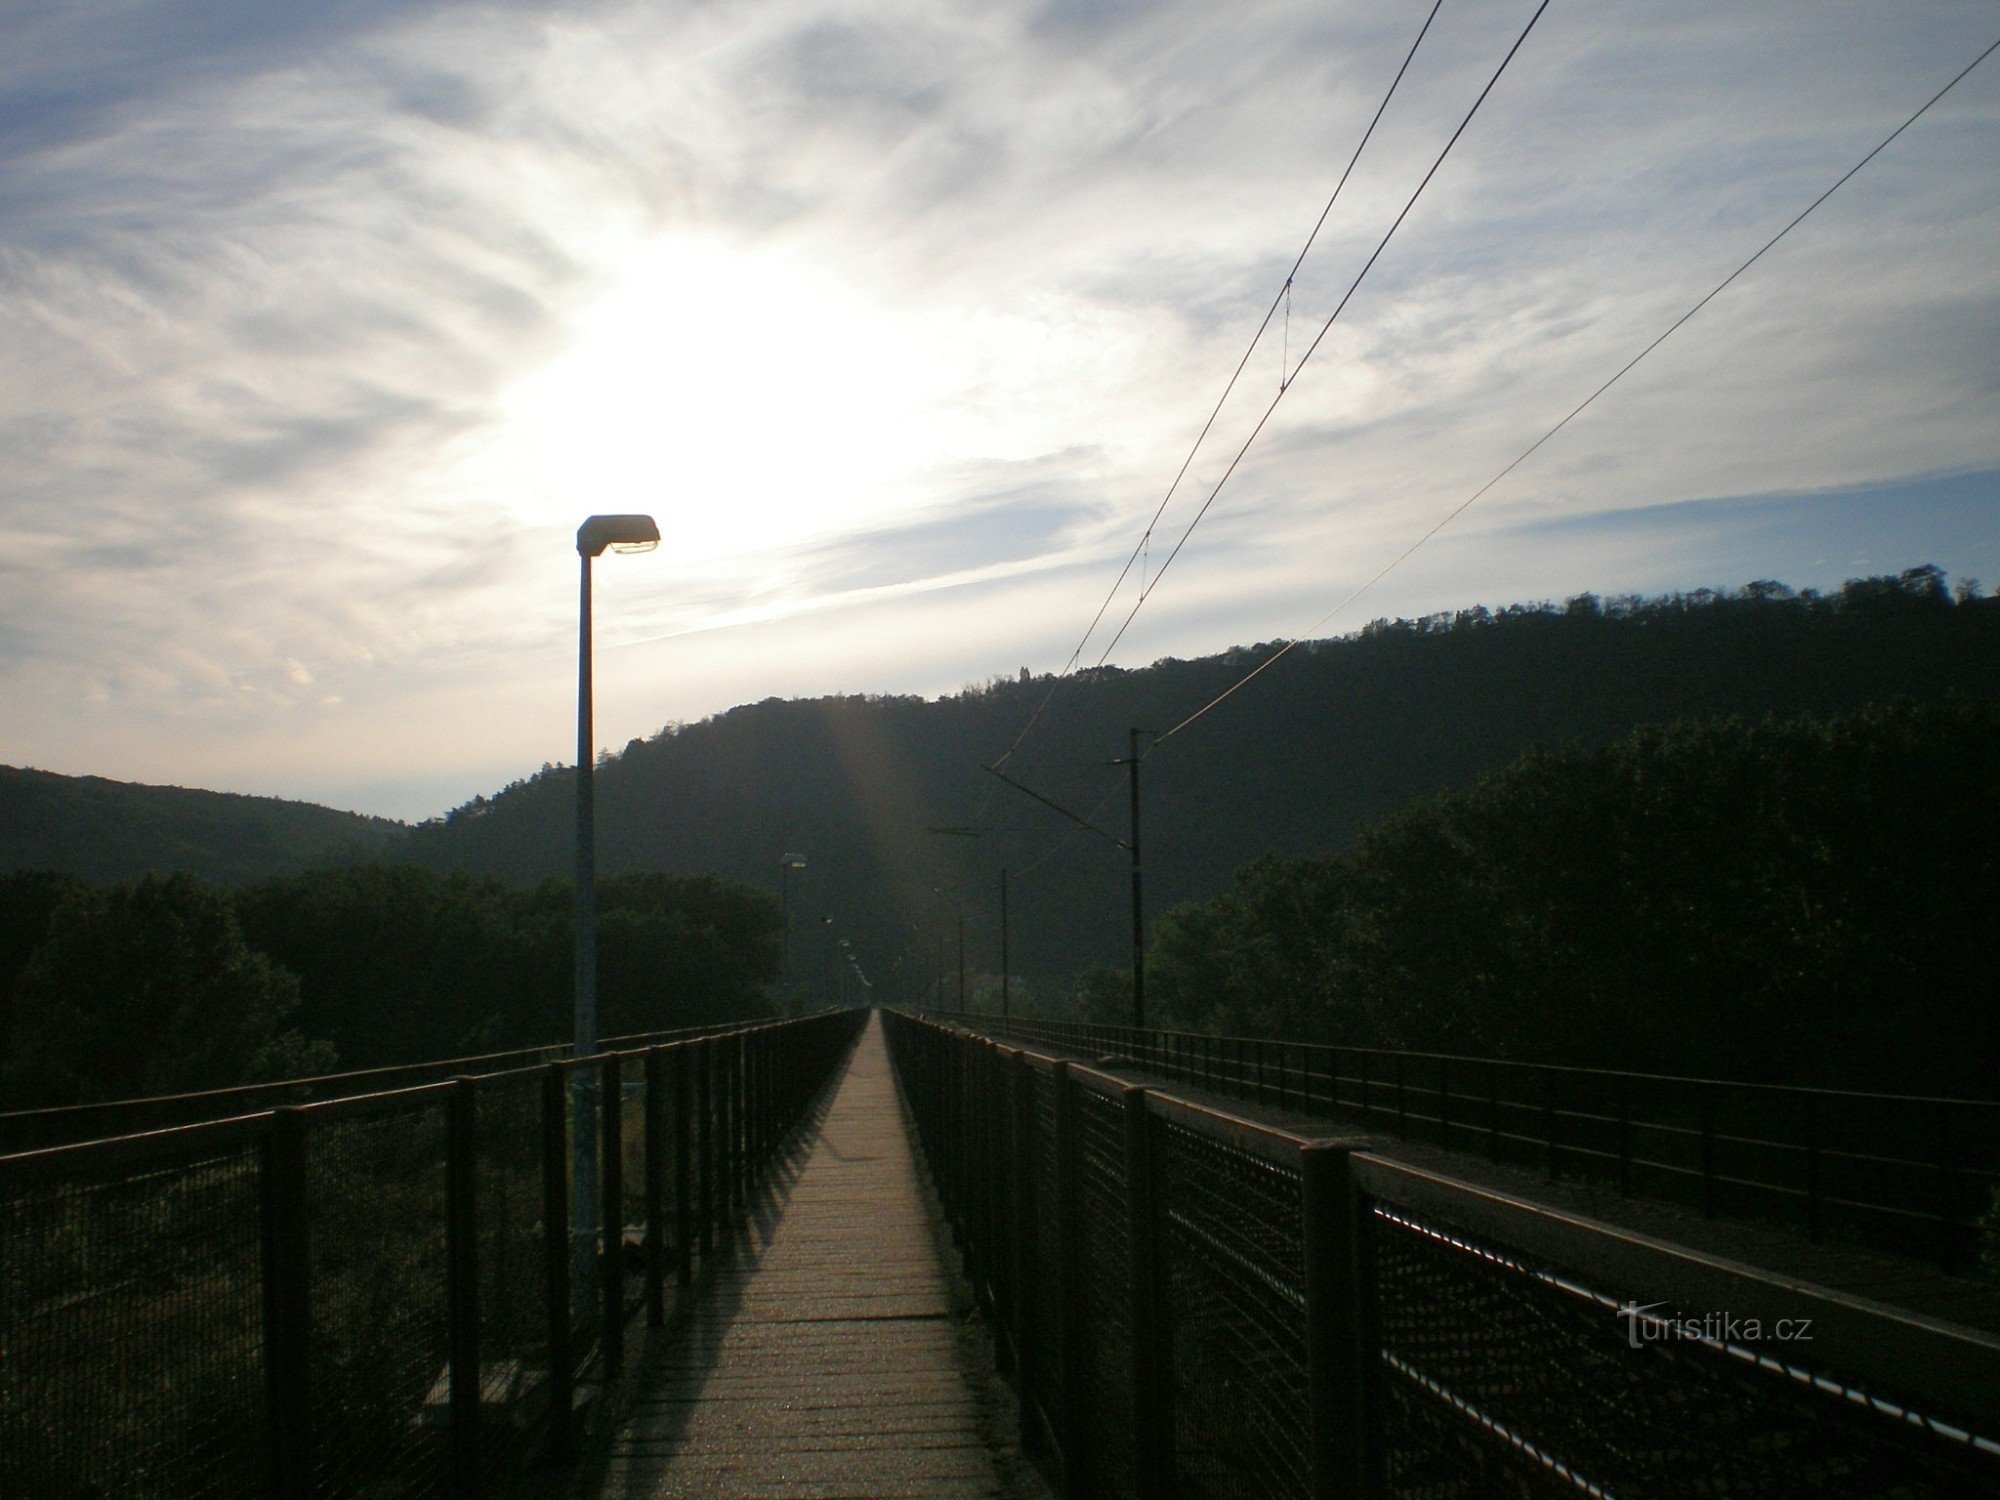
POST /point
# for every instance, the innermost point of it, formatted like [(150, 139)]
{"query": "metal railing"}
[(373, 1294), (1194, 1304), (64, 1125), (1912, 1175)]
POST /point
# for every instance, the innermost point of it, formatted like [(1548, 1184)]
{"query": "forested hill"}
[(121, 830), (1335, 734)]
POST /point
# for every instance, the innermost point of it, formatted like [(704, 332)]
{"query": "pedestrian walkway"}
[(822, 1361)]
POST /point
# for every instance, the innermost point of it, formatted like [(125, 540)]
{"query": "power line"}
[(1578, 409), (1282, 298), (1068, 838), (1325, 328)]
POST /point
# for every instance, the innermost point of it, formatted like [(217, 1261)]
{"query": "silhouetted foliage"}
[(398, 964), (1336, 734), (27, 900), (1814, 899), (116, 830), (169, 984), (150, 989)]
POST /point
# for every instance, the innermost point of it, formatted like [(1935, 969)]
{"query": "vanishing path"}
[(823, 1359)]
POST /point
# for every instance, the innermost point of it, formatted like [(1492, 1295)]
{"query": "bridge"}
[(894, 1255)]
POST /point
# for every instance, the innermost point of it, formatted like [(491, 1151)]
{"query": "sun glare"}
[(743, 398)]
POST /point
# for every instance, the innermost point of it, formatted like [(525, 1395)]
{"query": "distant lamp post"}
[(593, 538), (786, 864)]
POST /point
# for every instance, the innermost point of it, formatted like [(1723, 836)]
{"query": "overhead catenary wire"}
[(1282, 298), (1319, 337), (1466, 504), (1069, 837)]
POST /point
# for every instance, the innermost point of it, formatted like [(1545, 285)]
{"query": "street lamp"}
[(593, 537), (786, 864)]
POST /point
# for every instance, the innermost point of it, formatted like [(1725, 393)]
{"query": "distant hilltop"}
[(119, 830), (1336, 734)]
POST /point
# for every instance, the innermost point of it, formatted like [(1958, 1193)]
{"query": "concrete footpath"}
[(823, 1360)]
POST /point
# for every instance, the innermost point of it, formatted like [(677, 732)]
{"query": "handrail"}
[(1950, 1365), (1351, 1319), (46, 1163), (1908, 1174), (253, 1304), (1066, 1029), (33, 1129)]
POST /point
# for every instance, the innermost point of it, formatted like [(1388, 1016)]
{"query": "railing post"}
[(1068, 1415), (462, 1280), (979, 1155), (556, 1256), (1955, 1232), (1339, 1359), (611, 1270), (732, 1128), (1815, 1188), (1444, 1102), (287, 1266), (1020, 1079), (1152, 1345), (1549, 1121), (684, 1230), (1625, 1135), (753, 1114), (656, 1189), (1492, 1111), (704, 1116), (746, 1163), (767, 1134), (1707, 1150)]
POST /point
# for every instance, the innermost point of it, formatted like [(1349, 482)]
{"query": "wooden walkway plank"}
[(823, 1361)]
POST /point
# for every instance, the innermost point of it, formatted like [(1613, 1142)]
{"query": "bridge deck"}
[(823, 1360)]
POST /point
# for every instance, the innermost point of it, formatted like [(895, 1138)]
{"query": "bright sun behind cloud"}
[(742, 396)]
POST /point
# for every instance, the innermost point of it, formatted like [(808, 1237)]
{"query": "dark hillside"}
[(1336, 734), (121, 830), (1810, 900)]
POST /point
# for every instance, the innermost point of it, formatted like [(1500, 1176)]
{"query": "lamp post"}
[(593, 537), (1006, 982), (786, 864)]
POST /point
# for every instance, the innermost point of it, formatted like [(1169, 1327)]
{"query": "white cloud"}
[(318, 333)]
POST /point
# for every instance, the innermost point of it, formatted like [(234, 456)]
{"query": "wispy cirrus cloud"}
[(321, 326)]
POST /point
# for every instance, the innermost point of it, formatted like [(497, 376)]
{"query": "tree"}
[(1808, 900), (150, 989)]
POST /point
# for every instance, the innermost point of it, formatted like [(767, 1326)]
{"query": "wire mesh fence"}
[(1914, 1176), (1214, 1307), (39, 1129), (512, 1269), (376, 1220), (1233, 1251), (372, 1296), (1506, 1374), (1101, 1266), (131, 1329)]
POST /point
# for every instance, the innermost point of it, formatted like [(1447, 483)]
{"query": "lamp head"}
[(619, 533)]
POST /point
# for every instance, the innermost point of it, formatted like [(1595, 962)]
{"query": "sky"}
[(322, 328)]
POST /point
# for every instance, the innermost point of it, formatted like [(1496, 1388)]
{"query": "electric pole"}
[(1138, 892), (1005, 1008)]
